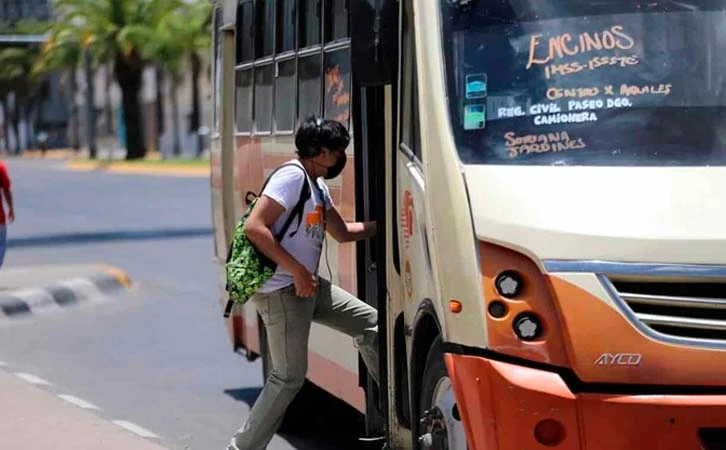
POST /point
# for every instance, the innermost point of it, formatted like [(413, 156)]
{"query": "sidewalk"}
[(33, 418)]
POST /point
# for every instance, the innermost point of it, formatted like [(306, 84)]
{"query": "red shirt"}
[(4, 184)]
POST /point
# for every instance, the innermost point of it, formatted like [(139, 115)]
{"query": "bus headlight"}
[(523, 318)]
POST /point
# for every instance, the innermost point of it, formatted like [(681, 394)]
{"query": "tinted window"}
[(245, 31), (265, 25), (336, 20), (309, 22), (337, 86), (285, 96), (285, 25), (263, 98), (244, 101), (309, 85)]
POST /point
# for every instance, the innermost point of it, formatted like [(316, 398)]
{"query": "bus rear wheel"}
[(440, 426)]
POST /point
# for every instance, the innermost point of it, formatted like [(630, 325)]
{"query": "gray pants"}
[(287, 319)]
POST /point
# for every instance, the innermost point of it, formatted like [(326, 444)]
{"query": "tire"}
[(435, 377)]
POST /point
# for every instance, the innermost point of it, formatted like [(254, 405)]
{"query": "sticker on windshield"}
[(475, 117), (476, 85)]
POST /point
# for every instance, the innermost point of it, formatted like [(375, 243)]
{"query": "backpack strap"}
[(297, 211)]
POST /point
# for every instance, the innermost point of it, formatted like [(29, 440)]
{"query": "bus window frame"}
[(321, 49)]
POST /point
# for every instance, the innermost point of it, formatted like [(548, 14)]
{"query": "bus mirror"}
[(374, 41)]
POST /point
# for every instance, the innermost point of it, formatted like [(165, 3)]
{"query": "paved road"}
[(159, 356)]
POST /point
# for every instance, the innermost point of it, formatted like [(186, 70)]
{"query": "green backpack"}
[(247, 268)]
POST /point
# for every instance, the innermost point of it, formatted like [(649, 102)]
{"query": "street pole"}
[(90, 106)]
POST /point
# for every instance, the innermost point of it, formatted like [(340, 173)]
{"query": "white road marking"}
[(30, 378), (78, 402), (39, 300), (136, 429), (84, 289)]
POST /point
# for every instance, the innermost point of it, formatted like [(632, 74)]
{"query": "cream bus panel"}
[(586, 213), (454, 247)]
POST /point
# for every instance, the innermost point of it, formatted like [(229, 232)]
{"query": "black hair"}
[(315, 133)]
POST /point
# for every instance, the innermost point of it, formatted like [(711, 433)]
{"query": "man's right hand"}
[(306, 284)]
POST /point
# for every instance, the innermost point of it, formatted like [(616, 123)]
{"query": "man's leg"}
[(344, 312), (3, 243), (287, 320)]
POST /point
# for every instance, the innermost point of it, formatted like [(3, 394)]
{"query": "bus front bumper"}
[(505, 406)]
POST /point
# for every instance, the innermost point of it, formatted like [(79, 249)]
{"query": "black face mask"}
[(337, 168)]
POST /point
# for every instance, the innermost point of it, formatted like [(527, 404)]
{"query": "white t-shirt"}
[(306, 245)]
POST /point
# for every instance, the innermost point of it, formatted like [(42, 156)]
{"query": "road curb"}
[(95, 287), (138, 169)]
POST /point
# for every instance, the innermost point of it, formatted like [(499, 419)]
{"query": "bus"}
[(548, 177)]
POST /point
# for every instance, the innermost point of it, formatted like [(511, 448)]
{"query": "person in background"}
[(7, 197)]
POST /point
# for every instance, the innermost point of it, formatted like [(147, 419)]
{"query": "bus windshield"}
[(587, 82)]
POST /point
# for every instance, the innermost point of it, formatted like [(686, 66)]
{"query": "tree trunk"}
[(175, 114), (6, 123), (107, 106), (160, 125), (196, 121), (27, 110), (75, 122), (130, 79), (16, 125)]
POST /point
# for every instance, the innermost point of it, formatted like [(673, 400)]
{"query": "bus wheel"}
[(440, 425)]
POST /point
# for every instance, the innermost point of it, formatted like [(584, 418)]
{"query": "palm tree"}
[(114, 30), (62, 52)]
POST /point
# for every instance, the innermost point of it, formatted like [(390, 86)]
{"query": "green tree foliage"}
[(179, 38), (117, 31)]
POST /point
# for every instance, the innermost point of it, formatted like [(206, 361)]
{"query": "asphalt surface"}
[(158, 356)]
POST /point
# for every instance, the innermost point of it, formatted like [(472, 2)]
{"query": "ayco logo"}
[(619, 359)]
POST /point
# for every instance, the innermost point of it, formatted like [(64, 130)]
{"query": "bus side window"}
[(337, 86), (336, 20), (243, 104), (245, 31), (309, 30), (284, 92), (263, 98), (309, 85), (285, 26), (265, 26), (409, 85), (245, 55)]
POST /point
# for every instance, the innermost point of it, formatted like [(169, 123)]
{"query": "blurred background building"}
[(59, 109)]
